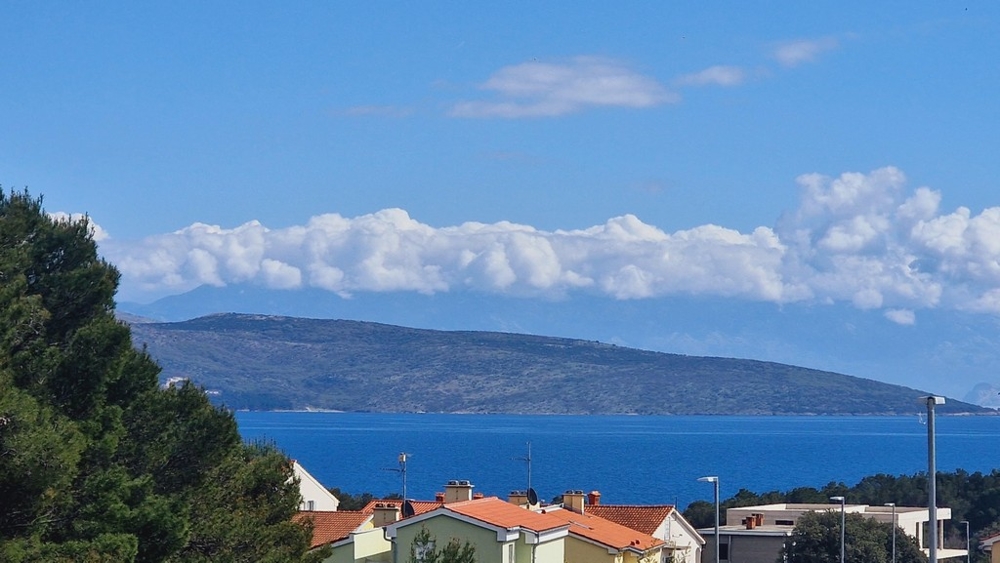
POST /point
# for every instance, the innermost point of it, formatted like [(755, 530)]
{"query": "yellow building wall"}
[(442, 529), (369, 545), (549, 552), (579, 551)]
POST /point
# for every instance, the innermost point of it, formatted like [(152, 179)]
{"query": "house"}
[(595, 539), (752, 543), (756, 533), (986, 544), (351, 534), (499, 531), (682, 542), (314, 495), (508, 532)]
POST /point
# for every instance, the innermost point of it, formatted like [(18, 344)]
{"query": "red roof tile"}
[(604, 531), (330, 526), (642, 518), (503, 514), (419, 506)]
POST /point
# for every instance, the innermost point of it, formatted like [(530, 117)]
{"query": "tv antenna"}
[(401, 469), (527, 459)]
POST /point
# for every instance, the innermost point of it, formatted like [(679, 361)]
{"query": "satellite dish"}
[(408, 509), (532, 497)]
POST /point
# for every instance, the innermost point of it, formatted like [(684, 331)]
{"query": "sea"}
[(628, 459)]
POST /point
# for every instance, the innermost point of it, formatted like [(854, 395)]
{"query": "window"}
[(510, 553), (310, 505), (784, 522), (724, 551)]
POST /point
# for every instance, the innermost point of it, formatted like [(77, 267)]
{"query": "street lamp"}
[(968, 557), (932, 543), (893, 505), (715, 481), (841, 500)]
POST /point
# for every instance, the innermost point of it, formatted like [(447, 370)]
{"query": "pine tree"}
[(97, 462)]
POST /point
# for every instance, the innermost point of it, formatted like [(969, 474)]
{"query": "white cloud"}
[(539, 89), (901, 316), (794, 53), (856, 238), (718, 75), (279, 275)]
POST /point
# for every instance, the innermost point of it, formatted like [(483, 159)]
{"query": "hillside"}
[(266, 362)]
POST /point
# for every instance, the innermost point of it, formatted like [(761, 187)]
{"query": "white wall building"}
[(314, 495)]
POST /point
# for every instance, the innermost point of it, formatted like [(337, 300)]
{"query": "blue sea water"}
[(629, 459)]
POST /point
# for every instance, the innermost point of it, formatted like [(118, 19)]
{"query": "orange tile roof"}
[(503, 514), (603, 531), (331, 526), (419, 506), (642, 518)]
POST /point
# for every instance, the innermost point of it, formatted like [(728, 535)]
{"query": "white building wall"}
[(314, 495)]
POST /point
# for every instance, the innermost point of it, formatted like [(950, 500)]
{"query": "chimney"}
[(385, 513), (520, 498), (573, 500), (594, 498), (478, 495), (439, 497), (457, 491), (754, 520)]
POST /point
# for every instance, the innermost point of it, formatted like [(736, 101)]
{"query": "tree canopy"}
[(816, 539), (97, 461), (972, 497)]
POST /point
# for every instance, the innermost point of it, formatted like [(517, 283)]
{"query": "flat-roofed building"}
[(755, 534)]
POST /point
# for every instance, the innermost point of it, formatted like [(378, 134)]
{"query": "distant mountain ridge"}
[(269, 362), (945, 352)]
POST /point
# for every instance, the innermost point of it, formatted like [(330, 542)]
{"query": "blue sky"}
[(785, 152)]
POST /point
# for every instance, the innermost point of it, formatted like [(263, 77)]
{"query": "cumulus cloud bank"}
[(857, 238)]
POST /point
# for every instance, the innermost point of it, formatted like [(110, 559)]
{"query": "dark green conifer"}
[(97, 462)]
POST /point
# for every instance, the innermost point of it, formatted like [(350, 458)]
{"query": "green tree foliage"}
[(97, 462), (974, 497), (424, 550), (816, 539)]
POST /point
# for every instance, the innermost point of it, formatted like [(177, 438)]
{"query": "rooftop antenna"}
[(401, 470), (527, 459)]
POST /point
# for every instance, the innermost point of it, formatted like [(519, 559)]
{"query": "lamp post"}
[(932, 541), (841, 500), (715, 481), (968, 556), (893, 505)]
